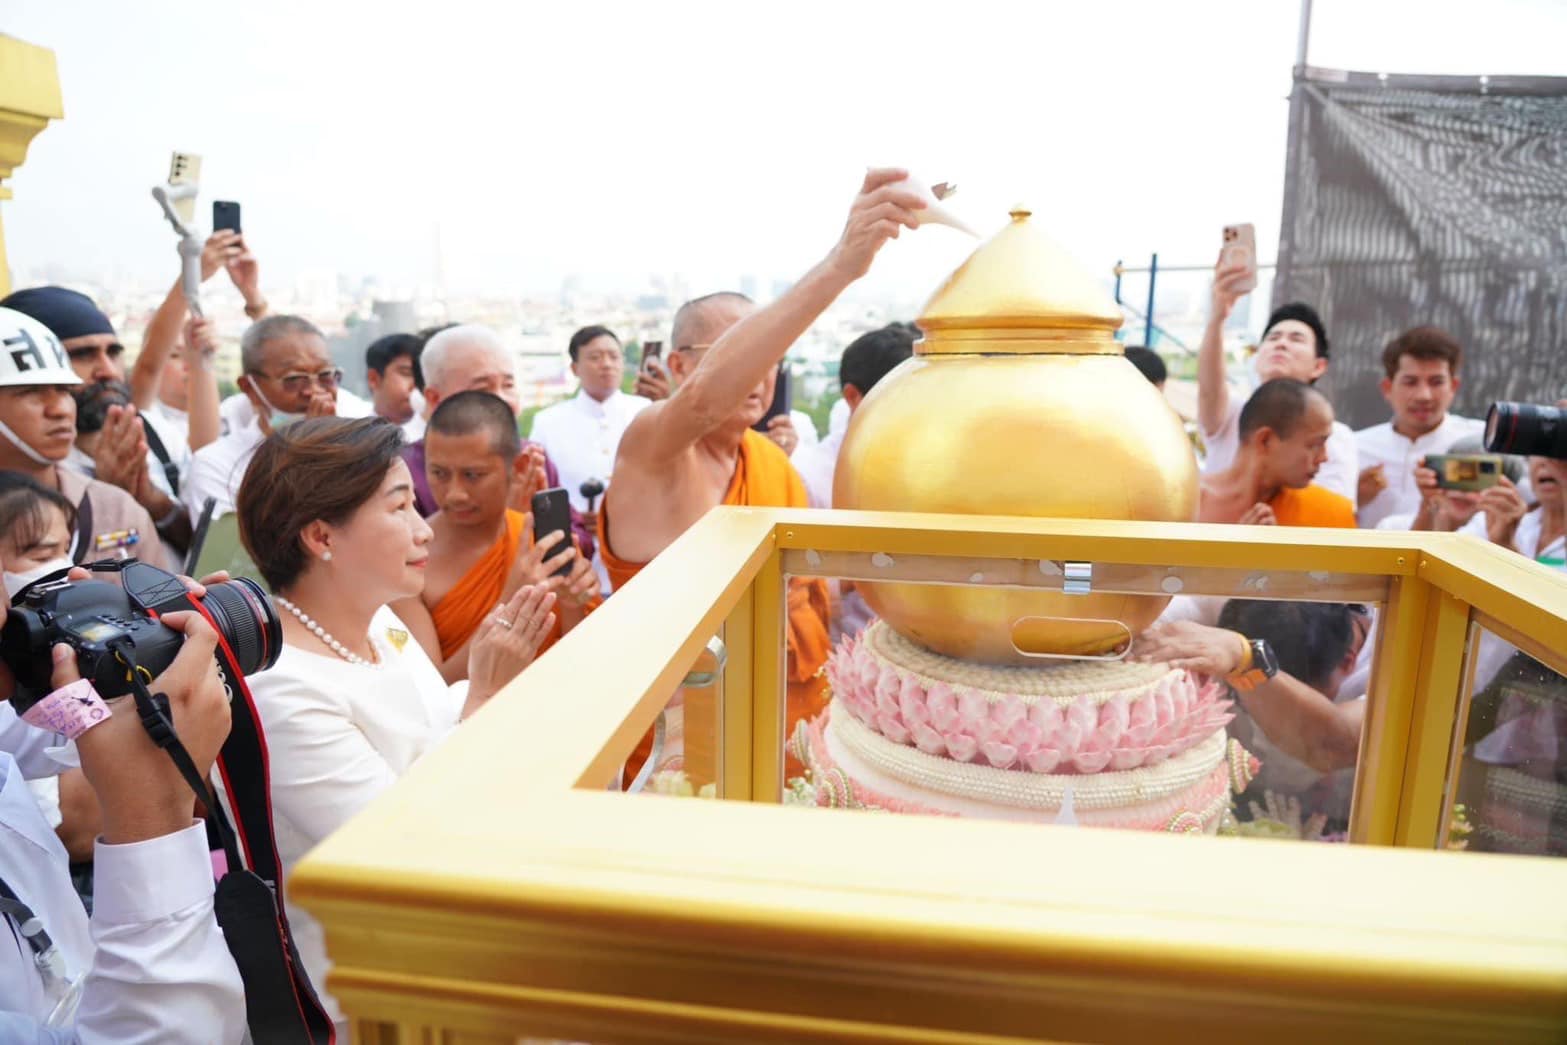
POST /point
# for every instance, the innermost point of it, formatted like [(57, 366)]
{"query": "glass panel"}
[(1511, 791), (680, 754), (986, 699)]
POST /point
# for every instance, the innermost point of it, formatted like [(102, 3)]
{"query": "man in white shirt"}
[(392, 369), (1294, 345), (869, 358), (288, 376), (152, 964), (1422, 378), (582, 433)]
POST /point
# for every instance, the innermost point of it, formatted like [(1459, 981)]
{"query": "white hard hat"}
[(30, 354)]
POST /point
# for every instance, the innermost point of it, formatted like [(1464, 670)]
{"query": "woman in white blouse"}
[(327, 513)]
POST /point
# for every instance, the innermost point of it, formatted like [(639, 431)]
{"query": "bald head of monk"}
[(472, 454), (699, 323)]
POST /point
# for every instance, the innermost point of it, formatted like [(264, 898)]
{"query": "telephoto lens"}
[(1528, 429), (247, 621)]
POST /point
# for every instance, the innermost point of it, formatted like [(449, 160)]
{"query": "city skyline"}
[(507, 153)]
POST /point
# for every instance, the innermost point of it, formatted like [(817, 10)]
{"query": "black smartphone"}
[(783, 398), (650, 350), (225, 216), (552, 514)]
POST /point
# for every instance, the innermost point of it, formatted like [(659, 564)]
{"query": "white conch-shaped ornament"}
[(935, 213)]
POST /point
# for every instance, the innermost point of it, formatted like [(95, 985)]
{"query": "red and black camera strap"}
[(281, 1003)]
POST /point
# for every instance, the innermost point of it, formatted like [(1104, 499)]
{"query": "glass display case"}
[(614, 849)]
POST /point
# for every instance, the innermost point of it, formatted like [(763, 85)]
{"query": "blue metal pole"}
[(1153, 275)]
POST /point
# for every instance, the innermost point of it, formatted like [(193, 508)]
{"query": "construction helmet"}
[(30, 354)]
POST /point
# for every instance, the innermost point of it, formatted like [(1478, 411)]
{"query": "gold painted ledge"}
[(498, 891)]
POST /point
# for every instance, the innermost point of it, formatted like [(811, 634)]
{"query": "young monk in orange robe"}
[(483, 552), (684, 455), (1284, 430)]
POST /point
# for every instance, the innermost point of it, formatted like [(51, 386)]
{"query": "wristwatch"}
[(1258, 665)]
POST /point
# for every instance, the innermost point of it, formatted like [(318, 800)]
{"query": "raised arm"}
[(201, 384), (744, 356), (1213, 390), (164, 329)]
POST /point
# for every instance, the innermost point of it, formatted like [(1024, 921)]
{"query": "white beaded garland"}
[(319, 632)]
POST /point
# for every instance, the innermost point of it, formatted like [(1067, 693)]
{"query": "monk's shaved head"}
[(468, 412), (701, 321)]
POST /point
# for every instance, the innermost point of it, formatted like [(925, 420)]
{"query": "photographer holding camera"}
[(152, 965)]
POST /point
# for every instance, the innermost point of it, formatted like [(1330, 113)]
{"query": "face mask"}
[(16, 441), (15, 582), (278, 418)]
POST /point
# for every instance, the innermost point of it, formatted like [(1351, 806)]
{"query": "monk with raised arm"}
[(483, 552), (689, 453)]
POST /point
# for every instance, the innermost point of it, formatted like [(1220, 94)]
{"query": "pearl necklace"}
[(319, 632)]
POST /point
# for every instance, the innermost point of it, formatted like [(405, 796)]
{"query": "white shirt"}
[(581, 436), (413, 429), (1399, 455), (173, 421), (217, 469), (338, 735), (804, 429), (817, 464), (157, 968), (1339, 473)]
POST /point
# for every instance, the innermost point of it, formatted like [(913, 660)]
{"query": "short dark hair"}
[(1425, 342), (323, 468), (585, 335), (22, 503), (1148, 361), (468, 412), (1310, 639), (1303, 313), (871, 357), (384, 351), (1278, 404)]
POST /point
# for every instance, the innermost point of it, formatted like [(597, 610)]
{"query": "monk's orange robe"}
[(458, 615), (1312, 506), (763, 478)]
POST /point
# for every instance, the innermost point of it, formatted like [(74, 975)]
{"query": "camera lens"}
[(1528, 429), (247, 621)]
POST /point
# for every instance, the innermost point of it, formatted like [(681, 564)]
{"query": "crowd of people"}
[(397, 538)]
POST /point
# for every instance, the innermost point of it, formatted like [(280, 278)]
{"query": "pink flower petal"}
[(1002, 756), (943, 706), (962, 747)]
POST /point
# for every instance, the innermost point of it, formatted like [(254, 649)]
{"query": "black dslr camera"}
[(1526, 428), (112, 626)]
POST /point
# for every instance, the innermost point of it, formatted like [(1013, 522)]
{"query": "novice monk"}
[(695, 450), (1284, 430), (483, 551)]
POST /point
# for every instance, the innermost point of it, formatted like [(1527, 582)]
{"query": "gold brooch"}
[(397, 637)]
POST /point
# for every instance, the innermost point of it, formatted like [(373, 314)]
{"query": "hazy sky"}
[(616, 139)]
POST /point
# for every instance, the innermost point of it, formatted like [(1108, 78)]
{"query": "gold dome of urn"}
[(1018, 401)]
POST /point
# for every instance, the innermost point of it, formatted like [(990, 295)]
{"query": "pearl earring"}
[(326, 556)]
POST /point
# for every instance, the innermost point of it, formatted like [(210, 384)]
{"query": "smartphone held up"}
[(1240, 248)]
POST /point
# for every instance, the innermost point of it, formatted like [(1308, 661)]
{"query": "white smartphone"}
[(185, 169), (1240, 248)]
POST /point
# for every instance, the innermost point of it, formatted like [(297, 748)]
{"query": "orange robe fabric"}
[(763, 478), (1312, 506), (460, 612)]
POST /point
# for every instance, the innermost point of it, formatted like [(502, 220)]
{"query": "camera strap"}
[(281, 1004)]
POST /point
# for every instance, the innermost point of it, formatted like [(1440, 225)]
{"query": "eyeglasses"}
[(296, 383)]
